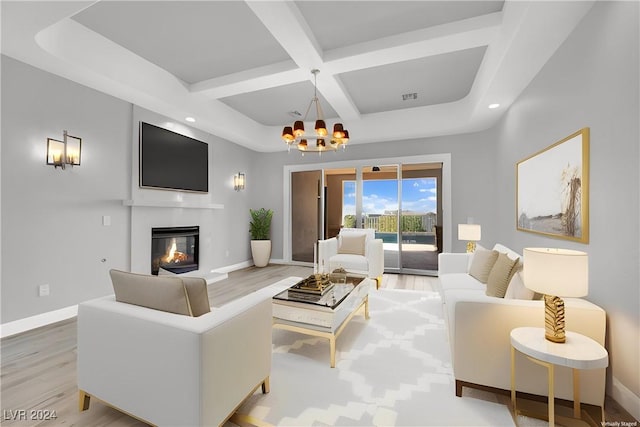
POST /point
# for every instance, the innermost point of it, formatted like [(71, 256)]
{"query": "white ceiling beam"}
[(287, 25), (445, 38), (255, 79)]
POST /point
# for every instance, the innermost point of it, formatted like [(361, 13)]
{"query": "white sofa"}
[(479, 335), (169, 369), (333, 253)]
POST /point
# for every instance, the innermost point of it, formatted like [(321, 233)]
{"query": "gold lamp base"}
[(471, 247), (554, 319)]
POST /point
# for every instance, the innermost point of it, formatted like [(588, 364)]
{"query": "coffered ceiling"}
[(389, 70)]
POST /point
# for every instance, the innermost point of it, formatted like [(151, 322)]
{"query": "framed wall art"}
[(552, 188)]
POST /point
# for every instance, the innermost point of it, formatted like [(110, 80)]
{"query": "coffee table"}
[(322, 316)]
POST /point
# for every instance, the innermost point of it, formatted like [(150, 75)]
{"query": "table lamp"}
[(556, 273), (470, 233)]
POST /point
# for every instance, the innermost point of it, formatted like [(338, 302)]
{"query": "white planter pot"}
[(261, 252)]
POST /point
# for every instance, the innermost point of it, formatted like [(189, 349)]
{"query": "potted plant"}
[(260, 229)]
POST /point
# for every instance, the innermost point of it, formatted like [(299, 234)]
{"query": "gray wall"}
[(592, 81), (473, 166), (52, 230)]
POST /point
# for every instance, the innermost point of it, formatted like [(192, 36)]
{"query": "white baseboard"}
[(28, 323), (233, 267), (626, 398)]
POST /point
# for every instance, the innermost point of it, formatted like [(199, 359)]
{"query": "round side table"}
[(578, 352)]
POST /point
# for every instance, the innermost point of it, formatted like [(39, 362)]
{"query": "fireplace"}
[(174, 249)]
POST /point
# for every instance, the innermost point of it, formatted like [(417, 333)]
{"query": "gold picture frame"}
[(552, 190)]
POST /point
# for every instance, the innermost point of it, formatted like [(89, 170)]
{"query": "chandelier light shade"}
[(320, 140)]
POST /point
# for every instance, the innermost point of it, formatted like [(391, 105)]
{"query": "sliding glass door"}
[(419, 225), (401, 201), (381, 209)]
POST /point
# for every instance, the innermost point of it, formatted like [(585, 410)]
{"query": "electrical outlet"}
[(43, 290)]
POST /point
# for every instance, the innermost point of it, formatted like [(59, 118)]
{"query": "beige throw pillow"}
[(517, 289), (482, 263), (352, 244), (500, 276), (165, 293)]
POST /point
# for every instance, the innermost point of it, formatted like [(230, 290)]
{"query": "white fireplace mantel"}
[(171, 204)]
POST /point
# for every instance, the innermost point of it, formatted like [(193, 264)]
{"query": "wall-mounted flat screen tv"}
[(172, 161)]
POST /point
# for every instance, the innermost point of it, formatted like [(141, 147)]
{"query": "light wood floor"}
[(38, 367)]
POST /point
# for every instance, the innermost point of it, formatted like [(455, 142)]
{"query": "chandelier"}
[(320, 140)]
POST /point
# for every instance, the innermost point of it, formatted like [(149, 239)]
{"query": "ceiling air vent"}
[(409, 96)]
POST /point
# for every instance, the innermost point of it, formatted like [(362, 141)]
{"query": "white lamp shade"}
[(557, 272), (469, 232)]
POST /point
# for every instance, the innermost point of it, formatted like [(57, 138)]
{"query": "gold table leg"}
[(552, 418), (83, 400), (332, 346), (513, 381), (576, 393)]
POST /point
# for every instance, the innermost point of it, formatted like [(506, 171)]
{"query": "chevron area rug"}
[(391, 370)]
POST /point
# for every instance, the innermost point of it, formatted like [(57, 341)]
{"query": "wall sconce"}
[(238, 181), (65, 152)]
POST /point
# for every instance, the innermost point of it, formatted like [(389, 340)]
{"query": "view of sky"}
[(418, 195)]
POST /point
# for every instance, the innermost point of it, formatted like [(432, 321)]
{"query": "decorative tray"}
[(317, 284)]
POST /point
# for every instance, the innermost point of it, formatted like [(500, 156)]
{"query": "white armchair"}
[(170, 369), (354, 249)]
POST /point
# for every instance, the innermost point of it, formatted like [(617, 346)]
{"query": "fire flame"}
[(173, 255)]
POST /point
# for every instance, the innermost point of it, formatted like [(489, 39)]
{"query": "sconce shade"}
[(238, 181), (469, 232), (558, 272), (55, 152), (65, 152)]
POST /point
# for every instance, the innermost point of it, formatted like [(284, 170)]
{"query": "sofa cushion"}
[(500, 276), (482, 263), (352, 244), (517, 289), (165, 293), (460, 281), (350, 262), (197, 295)]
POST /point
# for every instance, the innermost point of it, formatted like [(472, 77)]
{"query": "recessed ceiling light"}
[(190, 119), (492, 106)]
